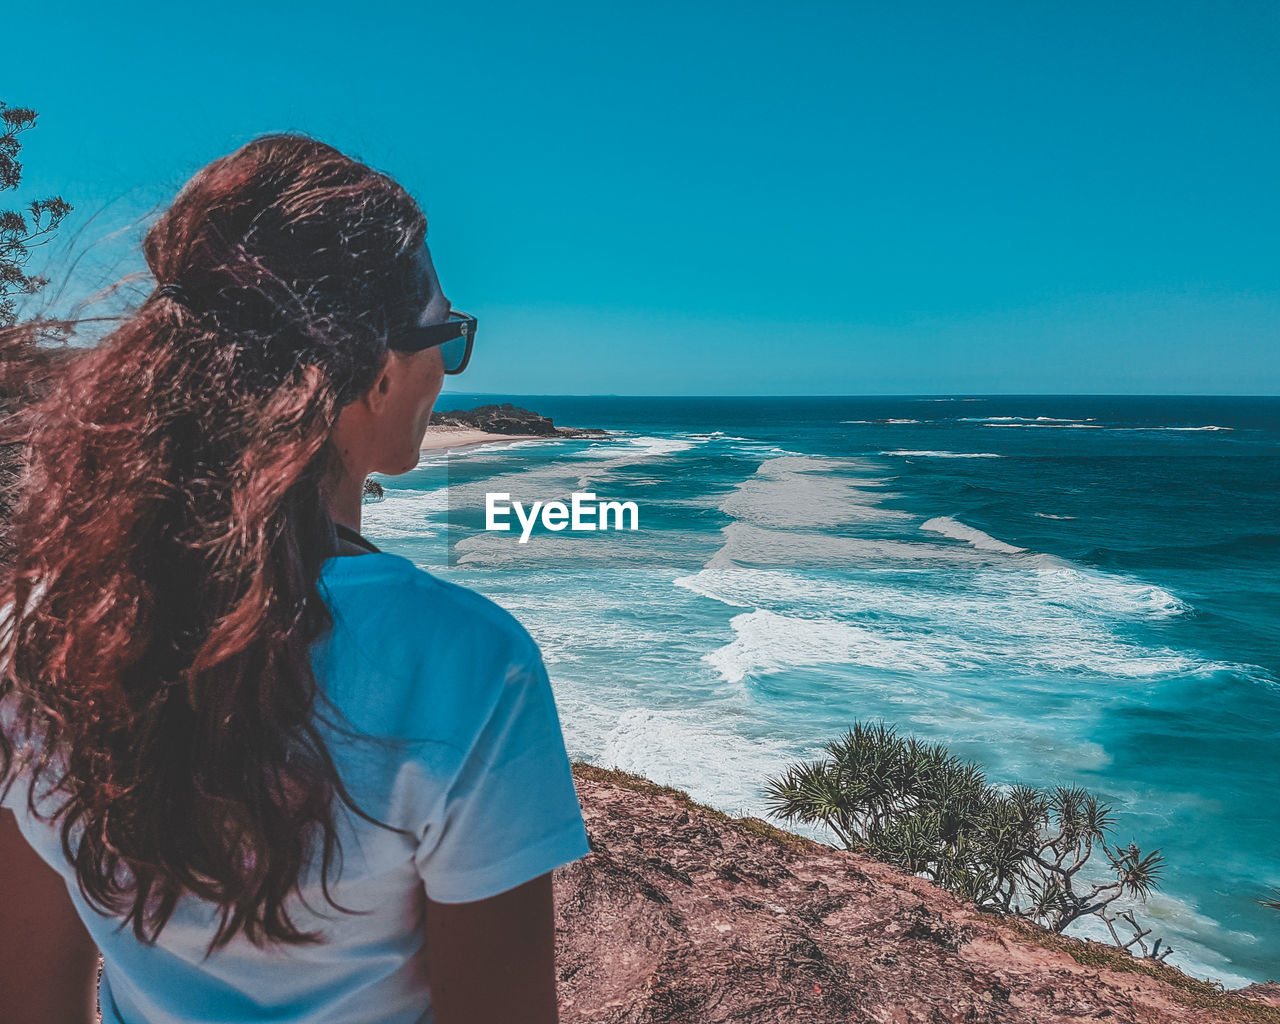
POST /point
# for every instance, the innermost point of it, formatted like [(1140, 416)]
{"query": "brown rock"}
[(510, 419), (1264, 992), (681, 915)]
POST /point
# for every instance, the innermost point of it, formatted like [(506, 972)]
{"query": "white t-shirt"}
[(459, 746)]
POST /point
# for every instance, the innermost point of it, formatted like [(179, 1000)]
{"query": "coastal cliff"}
[(682, 915)]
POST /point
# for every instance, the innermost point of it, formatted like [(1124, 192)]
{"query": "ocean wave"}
[(788, 591), (1009, 421), (1029, 595), (1050, 515), (1101, 593), (1175, 429), (949, 527), (406, 513), (572, 631), (762, 568), (888, 421), (904, 453), (713, 763), (641, 449), (767, 642), (804, 491), (1063, 582), (1023, 419), (1026, 611), (1050, 426), (752, 544), (1180, 924)]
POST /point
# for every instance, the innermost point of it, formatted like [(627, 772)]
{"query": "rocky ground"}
[(510, 419), (681, 915)]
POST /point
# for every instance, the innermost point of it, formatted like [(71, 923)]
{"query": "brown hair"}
[(168, 530)]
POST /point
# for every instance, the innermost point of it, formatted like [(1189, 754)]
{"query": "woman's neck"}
[(345, 502)]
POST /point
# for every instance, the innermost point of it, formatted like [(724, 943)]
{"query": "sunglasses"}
[(454, 338)]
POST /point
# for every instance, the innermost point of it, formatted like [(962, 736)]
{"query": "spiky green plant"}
[(919, 807), (21, 231)]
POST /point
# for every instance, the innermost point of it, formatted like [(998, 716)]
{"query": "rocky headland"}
[(509, 420), (682, 915)]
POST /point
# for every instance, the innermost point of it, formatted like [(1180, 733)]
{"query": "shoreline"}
[(490, 424), (446, 438)]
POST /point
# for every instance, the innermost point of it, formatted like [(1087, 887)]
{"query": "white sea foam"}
[(1023, 419), (582, 469), (1101, 593), (904, 453), (1050, 515), (751, 544), (723, 582), (768, 642), (1180, 925), (636, 450), (574, 630), (949, 527), (406, 513), (639, 448), (741, 586), (1021, 612), (1017, 423), (804, 491), (1177, 429), (1062, 582), (1030, 595), (882, 422), (701, 753), (759, 568), (1050, 426)]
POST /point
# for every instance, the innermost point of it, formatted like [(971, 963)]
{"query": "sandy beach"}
[(442, 438)]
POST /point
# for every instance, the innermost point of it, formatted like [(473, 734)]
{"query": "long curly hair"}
[(166, 534)]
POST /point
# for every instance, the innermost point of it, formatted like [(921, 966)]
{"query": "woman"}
[(268, 771)]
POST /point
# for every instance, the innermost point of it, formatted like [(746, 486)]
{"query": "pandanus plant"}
[(1015, 850)]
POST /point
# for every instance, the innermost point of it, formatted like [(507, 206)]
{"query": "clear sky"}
[(744, 198)]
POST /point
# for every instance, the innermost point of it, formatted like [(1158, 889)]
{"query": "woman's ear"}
[(376, 397)]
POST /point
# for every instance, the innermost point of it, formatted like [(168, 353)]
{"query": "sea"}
[(1069, 591)]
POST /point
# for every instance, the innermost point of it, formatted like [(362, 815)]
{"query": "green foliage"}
[(21, 231), (1013, 850)]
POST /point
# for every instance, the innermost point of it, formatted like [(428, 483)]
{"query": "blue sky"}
[(744, 198)]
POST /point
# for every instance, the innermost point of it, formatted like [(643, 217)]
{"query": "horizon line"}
[(958, 396)]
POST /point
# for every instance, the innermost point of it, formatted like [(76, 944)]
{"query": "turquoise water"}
[(1066, 590)]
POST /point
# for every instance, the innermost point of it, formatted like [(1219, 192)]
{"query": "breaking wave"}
[(637, 450), (949, 527), (904, 453)]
